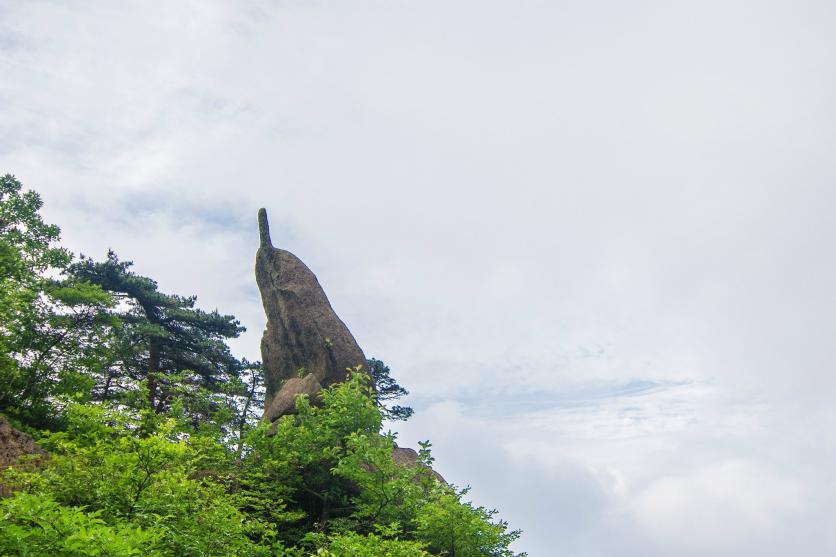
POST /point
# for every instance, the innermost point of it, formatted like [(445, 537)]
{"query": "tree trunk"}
[(153, 369), (244, 414)]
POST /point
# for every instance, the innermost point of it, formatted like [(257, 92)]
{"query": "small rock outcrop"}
[(17, 448), (408, 458), (284, 402), (305, 346)]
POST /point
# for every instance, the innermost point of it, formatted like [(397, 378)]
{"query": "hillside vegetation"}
[(153, 433)]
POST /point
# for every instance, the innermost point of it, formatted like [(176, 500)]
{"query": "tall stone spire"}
[(305, 346)]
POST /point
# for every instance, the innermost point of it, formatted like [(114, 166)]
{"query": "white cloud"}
[(720, 505)]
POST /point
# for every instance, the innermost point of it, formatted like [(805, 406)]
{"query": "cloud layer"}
[(594, 239)]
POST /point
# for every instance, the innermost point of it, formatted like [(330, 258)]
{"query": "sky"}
[(595, 240)]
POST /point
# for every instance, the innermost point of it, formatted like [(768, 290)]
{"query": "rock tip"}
[(264, 229)]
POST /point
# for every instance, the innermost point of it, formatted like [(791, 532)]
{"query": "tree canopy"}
[(51, 329)]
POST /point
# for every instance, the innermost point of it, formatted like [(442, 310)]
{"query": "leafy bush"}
[(127, 482), (36, 526), (352, 544)]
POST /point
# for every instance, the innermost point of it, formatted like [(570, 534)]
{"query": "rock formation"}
[(17, 448), (305, 346), (403, 456)]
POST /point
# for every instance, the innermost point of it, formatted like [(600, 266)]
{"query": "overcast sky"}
[(594, 239)]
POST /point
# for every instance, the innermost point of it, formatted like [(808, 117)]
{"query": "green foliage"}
[(288, 469), (36, 526), (330, 470), (22, 228), (352, 544), (450, 526), (323, 482), (171, 485)]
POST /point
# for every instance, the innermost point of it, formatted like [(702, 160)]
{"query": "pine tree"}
[(167, 345), (388, 389)]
